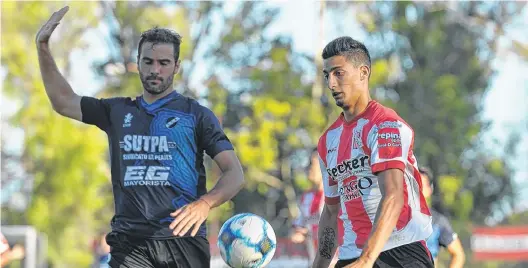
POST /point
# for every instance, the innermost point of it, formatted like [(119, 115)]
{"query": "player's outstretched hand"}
[(47, 29), (193, 214)]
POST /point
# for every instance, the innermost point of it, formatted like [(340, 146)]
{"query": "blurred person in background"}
[(157, 143), (9, 254), (311, 202), (101, 251), (443, 234), (370, 175)]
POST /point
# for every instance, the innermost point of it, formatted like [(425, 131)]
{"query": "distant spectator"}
[(101, 252), (8, 254), (443, 234)]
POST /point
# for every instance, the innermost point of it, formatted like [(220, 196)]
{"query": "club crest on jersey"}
[(127, 121), (171, 122), (348, 168)]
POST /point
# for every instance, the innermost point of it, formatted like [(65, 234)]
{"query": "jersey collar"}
[(158, 103)]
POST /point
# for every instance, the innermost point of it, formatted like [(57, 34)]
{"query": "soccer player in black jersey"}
[(157, 143)]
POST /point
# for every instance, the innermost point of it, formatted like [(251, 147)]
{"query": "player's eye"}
[(325, 75), (339, 73)]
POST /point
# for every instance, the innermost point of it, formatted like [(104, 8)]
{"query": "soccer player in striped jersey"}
[(374, 207)]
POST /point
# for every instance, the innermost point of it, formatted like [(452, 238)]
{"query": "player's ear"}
[(177, 67), (364, 72)]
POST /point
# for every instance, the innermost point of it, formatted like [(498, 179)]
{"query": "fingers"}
[(178, 216), (57, 16), (186, 227), (197, 227), (181, 224), (178, 211), (47, 29)]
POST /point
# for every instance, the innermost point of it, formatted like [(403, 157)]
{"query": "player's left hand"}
[(193, 214)]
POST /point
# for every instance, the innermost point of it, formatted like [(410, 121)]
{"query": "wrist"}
[(208, 202), (42, 45), (367, 259)]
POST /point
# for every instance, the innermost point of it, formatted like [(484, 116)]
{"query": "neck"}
[(357, 107), (150, 98)]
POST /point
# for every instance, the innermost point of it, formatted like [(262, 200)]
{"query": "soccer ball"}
[(247, 240)]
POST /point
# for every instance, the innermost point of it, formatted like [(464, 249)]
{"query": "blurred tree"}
[(521, 49), (70, 200)]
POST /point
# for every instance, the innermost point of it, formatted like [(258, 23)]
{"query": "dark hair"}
[(161, 35), (354, 51), (427, 172)]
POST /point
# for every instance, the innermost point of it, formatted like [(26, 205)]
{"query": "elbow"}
[(60, 110), (57, 108), (240, 182)]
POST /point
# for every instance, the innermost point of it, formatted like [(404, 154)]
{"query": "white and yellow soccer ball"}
[(247, 240)]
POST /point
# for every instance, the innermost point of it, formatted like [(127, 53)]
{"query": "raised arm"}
[(63, 99)]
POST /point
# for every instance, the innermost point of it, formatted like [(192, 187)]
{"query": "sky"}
[(504, 104)]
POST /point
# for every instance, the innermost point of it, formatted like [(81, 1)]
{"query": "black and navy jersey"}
[(443, 234), (156, 153)]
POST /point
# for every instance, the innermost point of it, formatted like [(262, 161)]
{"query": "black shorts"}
[(133, 252), (414, 255)]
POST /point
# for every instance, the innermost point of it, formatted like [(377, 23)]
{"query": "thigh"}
[(180, 252), (127, 253)]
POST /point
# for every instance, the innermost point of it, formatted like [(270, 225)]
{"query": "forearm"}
[(457, 261), (228, 185), (327, 237), (384, 223), (57, 88)]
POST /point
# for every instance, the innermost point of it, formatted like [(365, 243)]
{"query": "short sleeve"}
[(211, 135), (389, 143), (447, 235), (330, 187), (96, 112)]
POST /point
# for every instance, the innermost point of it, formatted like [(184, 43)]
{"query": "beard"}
[(156, 89)]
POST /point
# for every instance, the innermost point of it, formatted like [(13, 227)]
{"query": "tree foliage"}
[(66, 159)]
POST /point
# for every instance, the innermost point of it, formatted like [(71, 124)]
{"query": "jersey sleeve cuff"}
[(391, 164), (332, 200), (219, 147)]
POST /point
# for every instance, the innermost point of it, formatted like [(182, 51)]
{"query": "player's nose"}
[(331, 83)]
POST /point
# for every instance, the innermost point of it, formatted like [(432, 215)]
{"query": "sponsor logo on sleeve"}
[(389, 143)]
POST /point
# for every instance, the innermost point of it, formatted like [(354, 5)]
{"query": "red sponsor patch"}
[(389, 143)]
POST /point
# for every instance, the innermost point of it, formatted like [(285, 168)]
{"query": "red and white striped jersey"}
[(351, 154)]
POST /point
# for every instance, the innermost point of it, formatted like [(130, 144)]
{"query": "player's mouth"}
[(337, 95), (154, 82)]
